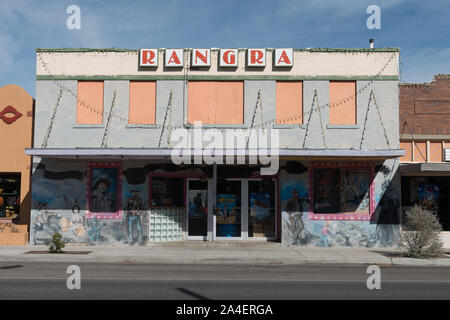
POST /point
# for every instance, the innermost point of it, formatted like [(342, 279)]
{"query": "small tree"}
[(420, 235), (56, 244)]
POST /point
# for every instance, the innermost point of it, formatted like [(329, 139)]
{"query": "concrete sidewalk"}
[(219, 253)]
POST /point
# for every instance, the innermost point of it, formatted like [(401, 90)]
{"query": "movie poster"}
[(259, 206), (428, 196), (198, 203), (226, 204)]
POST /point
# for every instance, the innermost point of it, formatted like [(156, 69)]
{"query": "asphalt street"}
[(131, 280)]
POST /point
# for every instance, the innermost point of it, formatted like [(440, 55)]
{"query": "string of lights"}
[(286, 120)]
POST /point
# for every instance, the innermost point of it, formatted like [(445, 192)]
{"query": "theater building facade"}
[(153, 145)]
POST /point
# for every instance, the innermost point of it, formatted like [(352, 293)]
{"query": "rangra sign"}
[(227, 57)]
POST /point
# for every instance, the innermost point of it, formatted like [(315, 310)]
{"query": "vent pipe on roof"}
[(371, 43)]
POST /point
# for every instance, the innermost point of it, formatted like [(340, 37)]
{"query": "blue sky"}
[(421, 29)]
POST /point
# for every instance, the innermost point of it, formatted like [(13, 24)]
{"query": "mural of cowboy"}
[(102, 199), (134, 206)]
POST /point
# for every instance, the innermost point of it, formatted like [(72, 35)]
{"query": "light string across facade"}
[(262, 124)]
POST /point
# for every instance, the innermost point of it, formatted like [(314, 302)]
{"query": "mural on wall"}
[(60, 206), (104, 190), (299, 229), (387, 213), (355, 192), (136, 214), (326, 191)]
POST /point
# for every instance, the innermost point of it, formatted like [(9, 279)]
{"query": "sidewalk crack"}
[(296, 251)]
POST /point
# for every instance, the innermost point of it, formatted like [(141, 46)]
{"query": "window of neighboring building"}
[(407, 146), (142, 102), (420, 151), (9, 194), (289, 102), (436, 151), (343, 102), (90, 102), (216, 102), (341, 191)]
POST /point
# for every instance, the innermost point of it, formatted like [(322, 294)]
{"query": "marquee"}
[(228, 58)]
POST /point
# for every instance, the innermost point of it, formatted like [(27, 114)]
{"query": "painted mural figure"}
[(324, 234), (45, 223), (294, 207), (326, 196), (134, 207), (102, 200), (389, 206), (77, 223)]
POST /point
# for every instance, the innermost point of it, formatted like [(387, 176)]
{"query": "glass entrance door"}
[(197, 209), (262, 208), (229, 210)]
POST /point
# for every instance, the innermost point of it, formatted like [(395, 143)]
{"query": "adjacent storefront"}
[(16, 127)]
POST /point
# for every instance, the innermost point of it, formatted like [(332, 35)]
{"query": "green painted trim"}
[(350, 50), (342, 126), (216, 49), (85, 50), (216, 77)]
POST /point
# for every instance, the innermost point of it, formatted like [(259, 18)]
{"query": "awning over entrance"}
[(165, 154), (425, 168)]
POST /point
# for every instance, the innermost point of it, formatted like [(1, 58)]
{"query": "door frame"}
[(244, 217), (207, 236), (245, 206), (275, 180)]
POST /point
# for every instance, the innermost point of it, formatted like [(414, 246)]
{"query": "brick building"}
[(425, 137)]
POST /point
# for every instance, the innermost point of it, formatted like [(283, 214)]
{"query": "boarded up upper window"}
[(436, 151), (289, 107), (342, 102), (90, 102), (216, 102), (142, 102), (407, 146), (420, 152)]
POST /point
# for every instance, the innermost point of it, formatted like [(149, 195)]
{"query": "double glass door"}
[(245, 209)]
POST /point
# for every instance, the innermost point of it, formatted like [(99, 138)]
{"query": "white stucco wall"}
[(306, 63)]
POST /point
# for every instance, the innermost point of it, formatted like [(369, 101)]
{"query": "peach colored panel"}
[(342, 107), (436, 151), (407, 146), (289, 105), (420, 152), (142, 102), (216, 102), (200, 96), (90, 102)]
